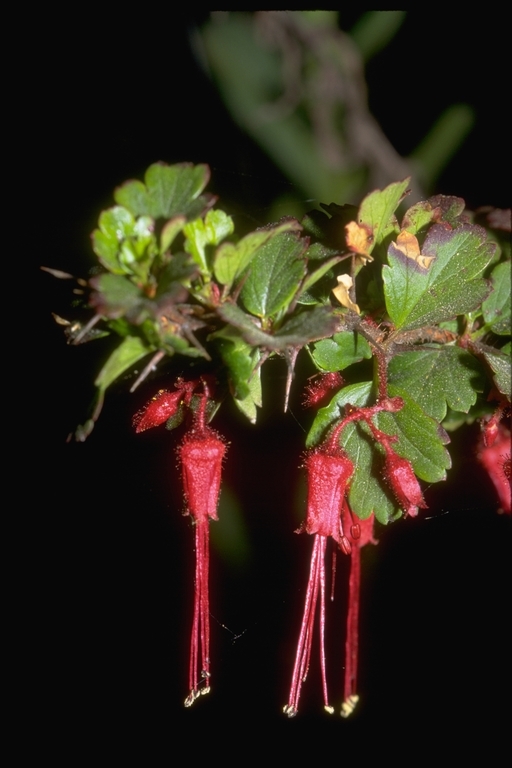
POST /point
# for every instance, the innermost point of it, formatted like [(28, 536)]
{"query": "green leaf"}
[(500, 364), (179, 269), (238, 357), (170, 230), (244, 373), (115, 224), (450, 286), (318, 273), (275, 274), (437, 378), (232, 259), (169, 190), (496, 308), (378, 208), (125, 245), (115, 295), (420, 439), (342, 350), (249, 404), (199, 233), (173, 342), (131, 350)]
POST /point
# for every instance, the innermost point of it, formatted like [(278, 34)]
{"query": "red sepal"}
[(160, 408), (320, 387)]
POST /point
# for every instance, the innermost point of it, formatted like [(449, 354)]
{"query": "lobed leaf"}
[(203, 232), (450, 286), (169, 190), (437, 378)]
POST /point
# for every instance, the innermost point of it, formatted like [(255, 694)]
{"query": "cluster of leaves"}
[(428, 295)]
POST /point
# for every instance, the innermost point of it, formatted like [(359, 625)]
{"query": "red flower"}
[(328, 475), (201, 454), (329, 471)]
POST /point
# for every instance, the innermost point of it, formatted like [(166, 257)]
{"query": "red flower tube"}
[(329, 471), (201, 454)]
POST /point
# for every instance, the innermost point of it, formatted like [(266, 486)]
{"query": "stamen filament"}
[(352, 636), (201, 619), (316, 585)]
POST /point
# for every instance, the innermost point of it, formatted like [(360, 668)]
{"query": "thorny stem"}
[(147, 369)]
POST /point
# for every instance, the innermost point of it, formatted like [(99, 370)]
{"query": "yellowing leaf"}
[(408, 244), (342, 293), (359, 239)]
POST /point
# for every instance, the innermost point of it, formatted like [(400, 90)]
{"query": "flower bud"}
[(404, 484), (320, 387), (160, 408)]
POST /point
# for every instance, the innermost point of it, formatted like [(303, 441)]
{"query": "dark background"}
[(113, 576)]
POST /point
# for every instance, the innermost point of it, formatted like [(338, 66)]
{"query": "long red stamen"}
[(316, 585), (350, 697), (200, 673), (364, 531), (201, 454)]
